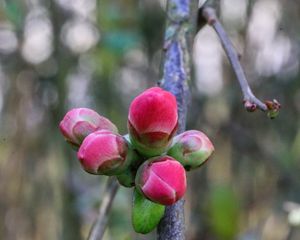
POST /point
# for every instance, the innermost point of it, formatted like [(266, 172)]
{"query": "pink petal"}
[(172, 173), (82, 129), (158, 191), (96, 149)]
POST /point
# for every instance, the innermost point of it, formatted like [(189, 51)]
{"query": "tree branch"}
[(176, 73), (100, 223), (251, 102)]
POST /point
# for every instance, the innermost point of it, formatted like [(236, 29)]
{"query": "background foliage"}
[(60, 54)]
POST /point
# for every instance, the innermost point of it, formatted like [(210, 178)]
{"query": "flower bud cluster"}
[(149, 157)]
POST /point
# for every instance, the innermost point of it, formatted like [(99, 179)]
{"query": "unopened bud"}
[(191, 148), (80, 122), (250, 107), (152, 121), (105, 153), (162, 180)]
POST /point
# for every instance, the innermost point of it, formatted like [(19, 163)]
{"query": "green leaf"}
[(273, 114), (145, 214)]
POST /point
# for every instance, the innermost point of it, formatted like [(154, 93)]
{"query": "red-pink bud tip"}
[(152, 121), (80, 122)]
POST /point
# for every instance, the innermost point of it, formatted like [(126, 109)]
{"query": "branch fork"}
[(251, 102)]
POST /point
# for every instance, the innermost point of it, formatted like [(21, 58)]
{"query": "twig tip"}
[(273, 108)]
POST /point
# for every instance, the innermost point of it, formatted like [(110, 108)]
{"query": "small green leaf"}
[(145, 214), (273, 114), (273, 108)]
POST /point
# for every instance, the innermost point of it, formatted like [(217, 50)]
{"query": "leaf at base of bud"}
[(145, 214)]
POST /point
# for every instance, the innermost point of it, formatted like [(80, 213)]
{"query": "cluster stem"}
[(100, 223)]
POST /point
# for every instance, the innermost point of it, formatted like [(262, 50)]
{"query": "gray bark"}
[(176, 73)]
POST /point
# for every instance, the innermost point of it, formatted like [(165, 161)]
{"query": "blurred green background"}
[(59, 54)]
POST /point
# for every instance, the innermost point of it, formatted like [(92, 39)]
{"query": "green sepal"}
[(145, 214), (127, 178), (147, 151)]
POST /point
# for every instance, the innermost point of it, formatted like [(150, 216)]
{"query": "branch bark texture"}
[(176, 73)]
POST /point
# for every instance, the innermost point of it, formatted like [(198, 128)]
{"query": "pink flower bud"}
[(162, 180), (152, 121), (106, 153), (80, 122), (191, 148)]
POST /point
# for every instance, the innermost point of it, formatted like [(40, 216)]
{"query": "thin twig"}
[(251, 102), (99, 226), (211, 18)]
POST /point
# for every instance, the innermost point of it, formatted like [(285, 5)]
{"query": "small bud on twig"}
[(273, 108), (250, 107)]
